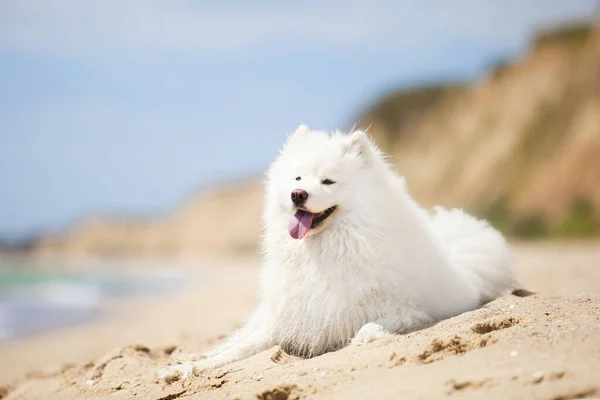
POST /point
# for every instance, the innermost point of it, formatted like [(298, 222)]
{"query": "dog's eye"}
[(327, 182), (298, 178)]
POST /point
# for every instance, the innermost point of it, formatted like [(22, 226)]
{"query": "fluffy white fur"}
[(378, 265)]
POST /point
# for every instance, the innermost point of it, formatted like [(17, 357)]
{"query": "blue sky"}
[(129, 107)]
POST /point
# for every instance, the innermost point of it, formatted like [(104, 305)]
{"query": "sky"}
[(130, 106)]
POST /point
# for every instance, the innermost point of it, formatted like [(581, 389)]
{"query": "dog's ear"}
[(298, 133), (358, 142), (301, 130)]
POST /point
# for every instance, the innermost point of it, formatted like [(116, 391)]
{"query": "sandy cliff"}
[(220, 220), (520, 146)]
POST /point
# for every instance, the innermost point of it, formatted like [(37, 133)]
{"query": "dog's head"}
[(318, 176)]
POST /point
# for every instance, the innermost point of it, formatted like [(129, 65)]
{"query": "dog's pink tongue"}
[(300, 224)]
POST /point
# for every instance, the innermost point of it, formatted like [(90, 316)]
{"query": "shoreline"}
[(36, 299)]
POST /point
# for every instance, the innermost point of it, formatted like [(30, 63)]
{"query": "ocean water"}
[(36, 298)]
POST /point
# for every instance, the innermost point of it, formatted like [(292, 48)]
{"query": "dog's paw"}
[(187, 357), (184, 370), (369, 333), (176, 372)]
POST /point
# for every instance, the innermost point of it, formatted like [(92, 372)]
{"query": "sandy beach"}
[(542, 346)]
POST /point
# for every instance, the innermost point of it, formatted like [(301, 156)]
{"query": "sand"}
[(540, 346)]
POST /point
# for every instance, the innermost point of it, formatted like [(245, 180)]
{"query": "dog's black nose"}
[(299, 196)]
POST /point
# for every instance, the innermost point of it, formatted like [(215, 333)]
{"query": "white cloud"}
[(74, 25), (82, 27)]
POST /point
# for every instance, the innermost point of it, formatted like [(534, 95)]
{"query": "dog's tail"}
[(477, 249)]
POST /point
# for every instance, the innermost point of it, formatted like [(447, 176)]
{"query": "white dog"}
[(349, 254)]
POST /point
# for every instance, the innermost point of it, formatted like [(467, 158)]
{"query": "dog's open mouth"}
[(304, 220)]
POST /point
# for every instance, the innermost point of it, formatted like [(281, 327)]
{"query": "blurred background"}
[(134, 134)]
